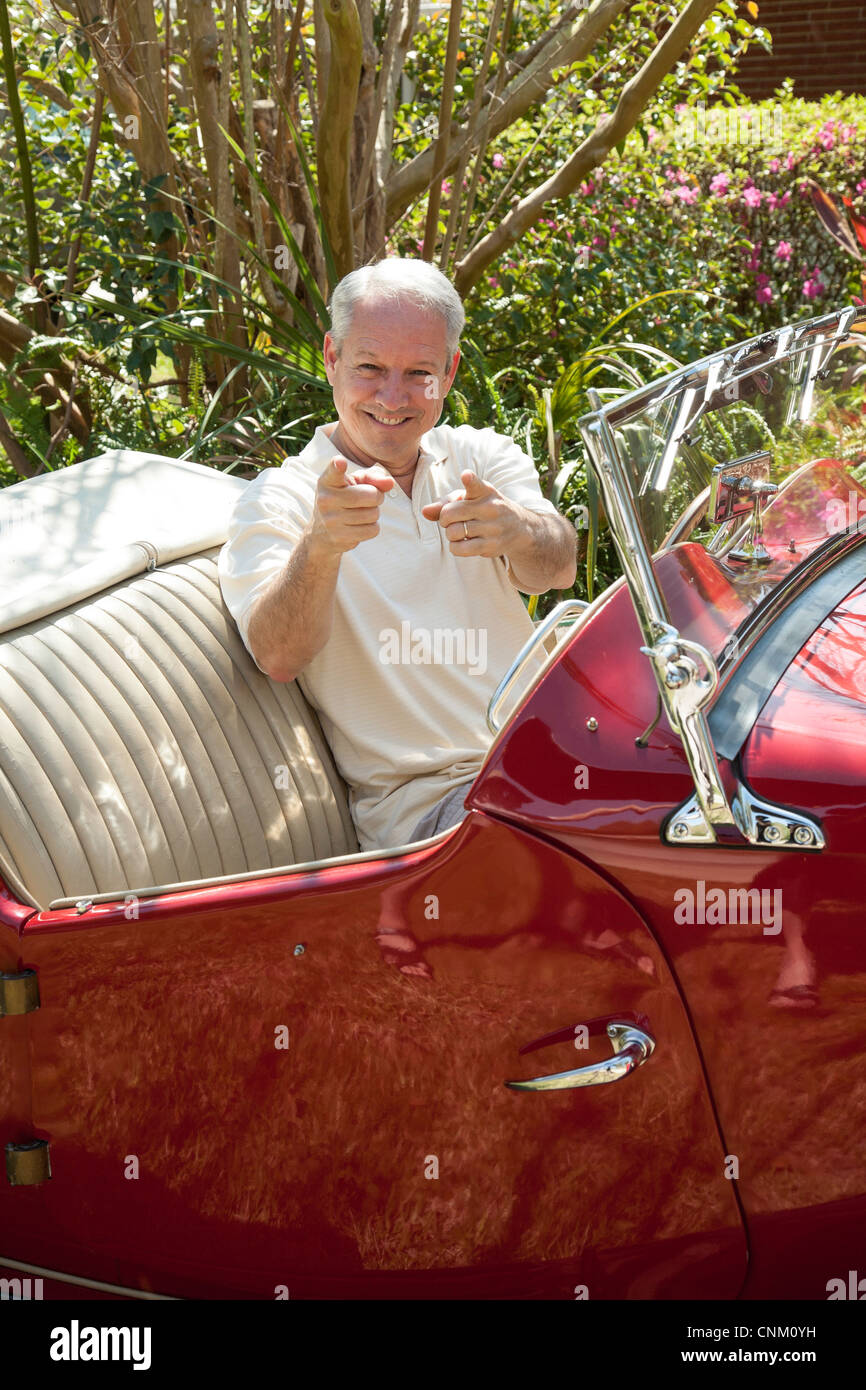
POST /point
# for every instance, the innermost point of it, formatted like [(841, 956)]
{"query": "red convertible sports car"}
[(614, 1052)]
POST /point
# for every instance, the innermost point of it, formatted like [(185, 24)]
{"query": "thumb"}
[(474, 485), (335, 473)]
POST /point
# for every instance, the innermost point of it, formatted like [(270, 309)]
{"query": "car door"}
[(296, 1085)]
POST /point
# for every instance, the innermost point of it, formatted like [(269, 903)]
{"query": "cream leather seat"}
[(140, 746)]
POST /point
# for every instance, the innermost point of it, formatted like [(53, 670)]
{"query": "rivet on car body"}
[(299, 949), (772, 834), (592, 723), (680, 830), (803, 835)]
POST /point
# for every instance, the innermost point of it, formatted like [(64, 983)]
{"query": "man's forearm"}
[(545, 557), (291, 620)]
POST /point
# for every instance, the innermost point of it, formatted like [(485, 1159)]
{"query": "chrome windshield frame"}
[(686, 673)]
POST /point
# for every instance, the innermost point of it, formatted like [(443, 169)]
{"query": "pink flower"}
[(682, 176), (803, 189), (719, 185), (598, 241), (614, 228), (848, 132), (861, 187), (667, 196), (670, 175), (764, 294), (790, 162), (772, 202), (752, 197), (587, 188), (785, 199), (446, 186), (814, 287), (498, 161), (827, 138), (783, 251), (635, 202), (774, 166), (754, 260), (688, 195), (493, 282)]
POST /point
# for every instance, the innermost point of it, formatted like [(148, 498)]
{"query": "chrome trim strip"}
[(543, 630), (190, 885), (77, 1279)]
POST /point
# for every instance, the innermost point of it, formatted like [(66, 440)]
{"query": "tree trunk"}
[(335, 129)]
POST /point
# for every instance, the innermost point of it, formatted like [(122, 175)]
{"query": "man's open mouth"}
[(388, 419)]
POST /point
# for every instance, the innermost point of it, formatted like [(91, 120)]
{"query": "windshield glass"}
[(742, 467)]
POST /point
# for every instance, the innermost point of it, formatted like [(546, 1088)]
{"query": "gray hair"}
[(398, 279)]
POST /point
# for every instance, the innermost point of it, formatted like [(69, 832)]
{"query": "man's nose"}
[(393, 391)]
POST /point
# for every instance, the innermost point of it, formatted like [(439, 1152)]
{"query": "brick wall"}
[(820, 43)]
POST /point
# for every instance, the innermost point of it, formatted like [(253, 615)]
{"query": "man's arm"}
[(545, 554), (290, 622)]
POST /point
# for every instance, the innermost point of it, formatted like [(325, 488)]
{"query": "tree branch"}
[(573, 42), (609, 131)]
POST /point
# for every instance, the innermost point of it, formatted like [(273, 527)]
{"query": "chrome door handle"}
[(631, 1048)]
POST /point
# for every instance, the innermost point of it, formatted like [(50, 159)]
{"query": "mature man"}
[(380, 567)]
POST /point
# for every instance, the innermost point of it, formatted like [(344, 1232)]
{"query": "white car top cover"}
[(72, 533)]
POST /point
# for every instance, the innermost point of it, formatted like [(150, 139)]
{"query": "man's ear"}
[(329, 355)]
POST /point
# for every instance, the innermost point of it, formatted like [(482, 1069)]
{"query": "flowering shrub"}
[(728, 230)]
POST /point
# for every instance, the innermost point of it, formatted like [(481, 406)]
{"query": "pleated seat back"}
[(140, 746)]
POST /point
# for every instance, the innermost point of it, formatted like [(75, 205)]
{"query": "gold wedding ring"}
[(465, 532)]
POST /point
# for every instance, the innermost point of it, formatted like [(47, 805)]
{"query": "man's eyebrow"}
[(363, 355)]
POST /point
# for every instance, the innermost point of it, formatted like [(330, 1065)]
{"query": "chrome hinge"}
[(28, 1164), (19, 994), (760, 822)]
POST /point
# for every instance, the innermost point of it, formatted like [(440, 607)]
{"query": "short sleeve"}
[(267, 522), (504, 465)]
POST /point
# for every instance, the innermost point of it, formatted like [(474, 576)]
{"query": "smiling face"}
[(390, 381)]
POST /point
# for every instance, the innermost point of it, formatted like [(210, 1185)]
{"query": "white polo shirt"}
[(420, 638)]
